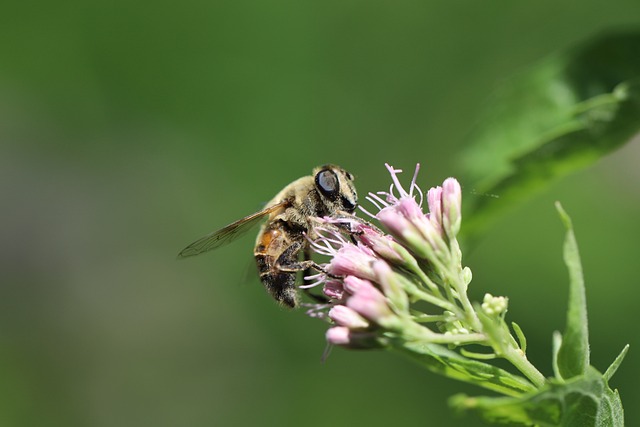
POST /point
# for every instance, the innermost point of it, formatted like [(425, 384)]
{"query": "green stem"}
[(453, 273), (520, 361), (421, 317), (426, 280), (433, 300), (445, 362), (471, 317), (412, 331)]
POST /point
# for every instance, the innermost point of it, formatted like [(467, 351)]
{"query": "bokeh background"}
[(128, 129)]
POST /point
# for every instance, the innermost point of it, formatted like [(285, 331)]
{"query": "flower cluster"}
[(407, 286), (494, 305), (373, 278)]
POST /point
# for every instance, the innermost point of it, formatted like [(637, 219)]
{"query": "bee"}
[(329, 191)]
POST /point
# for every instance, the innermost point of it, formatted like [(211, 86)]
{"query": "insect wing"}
[(229, 233)]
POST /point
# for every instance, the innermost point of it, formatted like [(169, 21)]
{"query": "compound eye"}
[(327, 183)]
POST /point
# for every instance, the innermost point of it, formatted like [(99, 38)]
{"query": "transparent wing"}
[(229, 233)]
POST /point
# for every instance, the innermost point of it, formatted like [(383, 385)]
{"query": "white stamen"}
[(336, 236), (396, 181), (315, 279), (366, 212), (373, 202), (413, 180), (322, 247), (379, 199), (419, 192), (391, 194)]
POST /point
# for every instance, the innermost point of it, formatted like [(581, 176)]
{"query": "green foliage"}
[(558, 117), (439, 359), (611, 370), (584, 401), (580, 395), (573, 353)]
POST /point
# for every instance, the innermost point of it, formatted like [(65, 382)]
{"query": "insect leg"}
[(318, 298), (307, 272), (287, 262)]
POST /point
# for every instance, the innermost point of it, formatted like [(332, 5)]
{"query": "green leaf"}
[(558, 117), (443, 361), (611, 370), (556, 344), (584, 401), (522, 340), (573, 354)]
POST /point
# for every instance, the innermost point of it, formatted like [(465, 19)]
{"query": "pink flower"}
[(397, 223), (353, 260), (353, 284), (367, 300), (434, 200), (334, 289), (391, 286), (365, 277), (338, 335), (383, 245), (416, 232), (345, 337), (401, 214), (390, 198), (346, 258), (344, 316), (362, 310), (451, 206)]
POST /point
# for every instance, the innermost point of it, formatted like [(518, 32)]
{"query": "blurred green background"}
[(127, 130)]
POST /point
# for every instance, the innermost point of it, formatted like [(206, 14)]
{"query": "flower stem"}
[(425, 296), (472, 317), (520, 361), (426, 280), (412, 331)]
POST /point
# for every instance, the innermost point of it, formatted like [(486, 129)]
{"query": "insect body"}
[(329, 191)]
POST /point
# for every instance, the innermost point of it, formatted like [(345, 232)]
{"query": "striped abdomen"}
[(275, 250)]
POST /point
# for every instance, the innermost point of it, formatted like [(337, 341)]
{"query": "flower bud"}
[(377, 242), (338, 335), (434, 200), (432, 235), (451, 207), (344, 316), (406, 231), (392, 286), (369, 302), (409, 208), (384, 246), (352, 260), (353, 284), (397, 223), (493, 306), (344, 337), (467, 276)]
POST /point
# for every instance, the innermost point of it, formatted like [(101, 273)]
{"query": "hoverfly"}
[(328, 192)]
